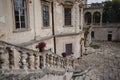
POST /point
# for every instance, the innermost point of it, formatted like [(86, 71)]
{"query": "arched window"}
[(96, 17), (88, 18)]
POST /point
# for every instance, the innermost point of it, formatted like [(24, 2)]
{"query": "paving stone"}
[(105, 61)]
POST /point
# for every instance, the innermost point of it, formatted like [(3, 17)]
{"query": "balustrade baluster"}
[(36, 61), (11, 57), (41, 61), (47, 60), (50, 60), (59, 62), (53, 61), (69, 63), (4, 62), (62, 63), (72, 62), (23, 60), (16, 58), (56, 62)]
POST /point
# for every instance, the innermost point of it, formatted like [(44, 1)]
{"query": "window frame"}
[(71, 45), (70, 25), (26, 28), (47, 4)]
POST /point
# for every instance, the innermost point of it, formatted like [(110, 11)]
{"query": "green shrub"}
[(95, 46)]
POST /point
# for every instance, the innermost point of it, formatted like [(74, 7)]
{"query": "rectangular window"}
[(45, 9), (69, 49), (67, 15), (20, 9)]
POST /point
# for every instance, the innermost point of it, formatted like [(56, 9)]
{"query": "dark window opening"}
[(20, 9), (88, 18), (69, 49), (45, 9), (67, 15), (92, 34), (109, 37)]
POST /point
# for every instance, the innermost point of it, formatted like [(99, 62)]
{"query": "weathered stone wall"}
[(7, 25), (101, 33), (62, 41)]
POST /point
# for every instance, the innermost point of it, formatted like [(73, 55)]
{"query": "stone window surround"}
[(48, 4), (27, 28)]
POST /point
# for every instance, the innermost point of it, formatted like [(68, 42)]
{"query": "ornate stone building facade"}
[(59, 23), (25, 23)]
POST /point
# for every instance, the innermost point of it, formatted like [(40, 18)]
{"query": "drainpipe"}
[(34, 20), (53, 29)]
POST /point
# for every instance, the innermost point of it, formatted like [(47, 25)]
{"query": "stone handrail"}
[(16, 58)]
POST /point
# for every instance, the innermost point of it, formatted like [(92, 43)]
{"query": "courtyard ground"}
[(103, 63)]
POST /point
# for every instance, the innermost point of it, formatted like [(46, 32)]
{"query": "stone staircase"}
[(18, 63)]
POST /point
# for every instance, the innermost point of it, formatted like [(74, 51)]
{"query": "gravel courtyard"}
[(104, 63)]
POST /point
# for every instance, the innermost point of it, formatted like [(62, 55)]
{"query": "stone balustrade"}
[(13, 57), (111, 24), (93, 6)]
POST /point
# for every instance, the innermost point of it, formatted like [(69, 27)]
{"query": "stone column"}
[(92, 21), (101, 20), (82, 20)]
